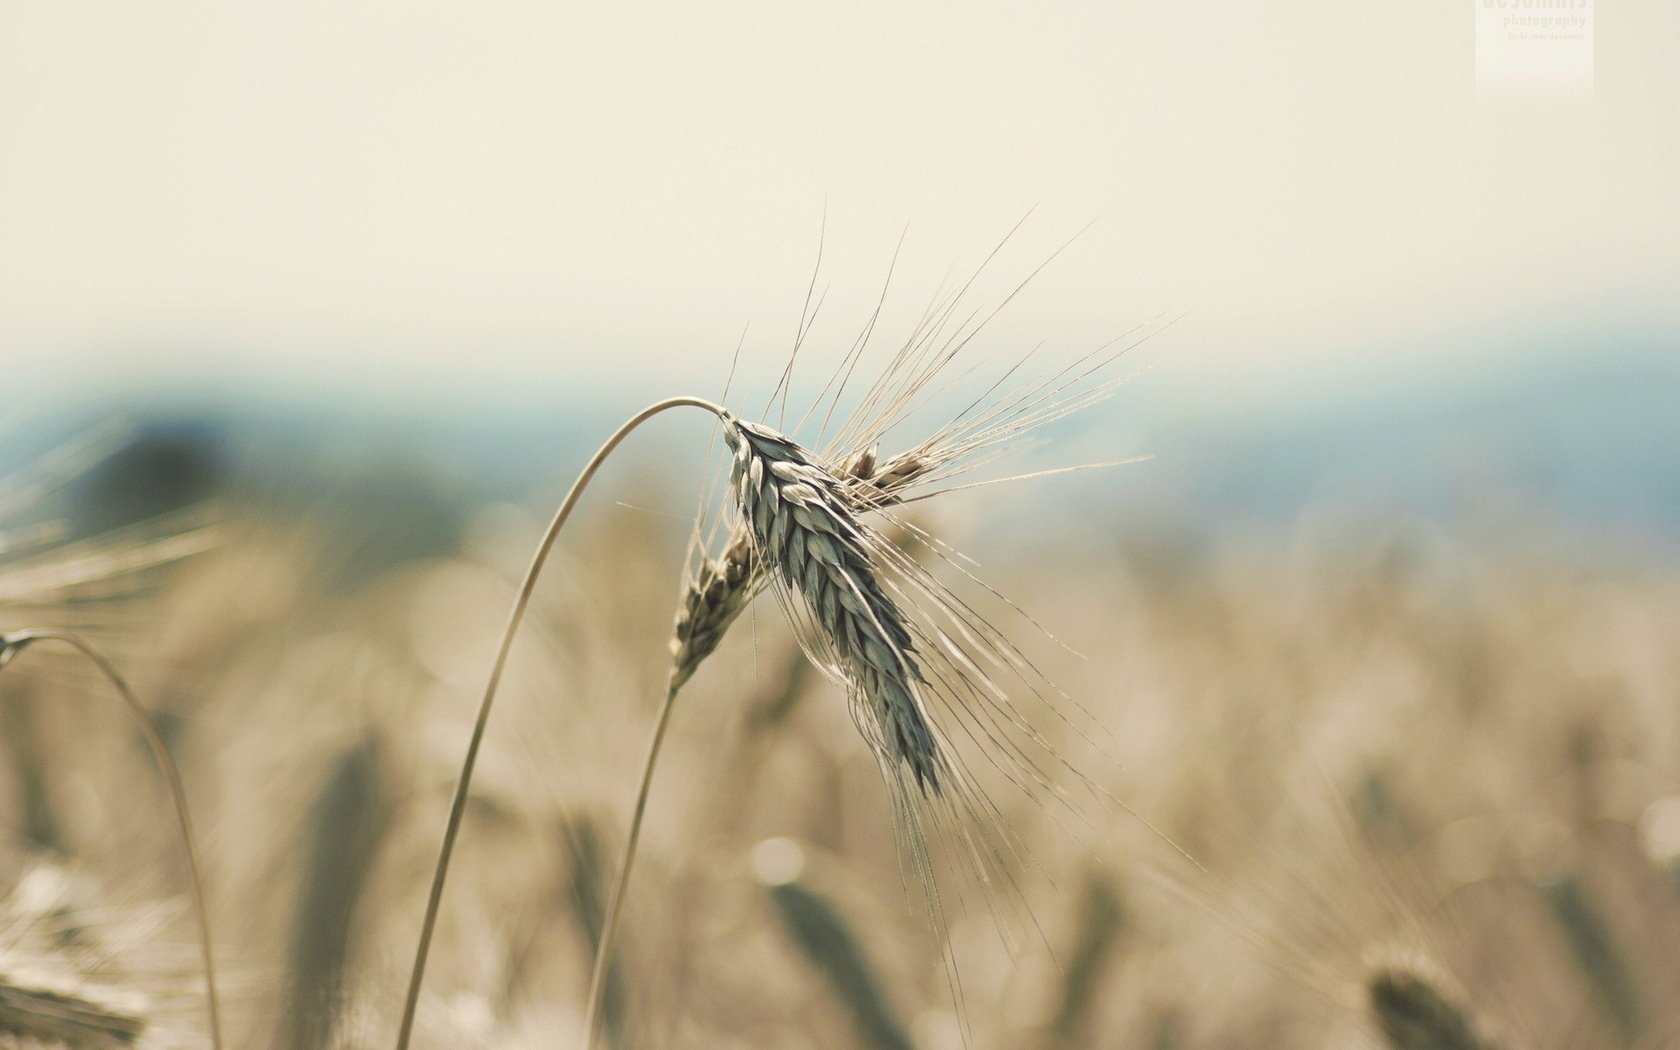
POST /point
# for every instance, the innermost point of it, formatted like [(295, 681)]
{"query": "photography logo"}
[(1534, 50)]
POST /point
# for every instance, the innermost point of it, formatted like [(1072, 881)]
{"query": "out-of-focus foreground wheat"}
[(1435, 792)]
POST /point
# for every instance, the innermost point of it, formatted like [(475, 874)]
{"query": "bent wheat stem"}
[(458, 806), (15, 642)]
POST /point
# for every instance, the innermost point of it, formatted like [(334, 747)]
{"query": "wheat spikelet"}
[(806, 530), (924, 670)]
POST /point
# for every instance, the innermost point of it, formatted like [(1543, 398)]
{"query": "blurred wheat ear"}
[(1592, 945), (1414, 1014), (819, 929), (54, 1017), (347, 824), (11, 645), (1102, 921)]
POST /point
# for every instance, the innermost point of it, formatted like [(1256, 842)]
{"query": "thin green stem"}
[(609, 926), (14, 643), (458, 807)]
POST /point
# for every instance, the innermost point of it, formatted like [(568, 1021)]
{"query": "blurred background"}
[(308, 315)]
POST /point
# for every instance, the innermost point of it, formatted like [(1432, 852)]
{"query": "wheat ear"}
[(807, 531), (458, 805), (800, 521), (14, 643)]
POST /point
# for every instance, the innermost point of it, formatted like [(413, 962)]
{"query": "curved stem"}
[(458, 806), (14, 643), (609, 925)]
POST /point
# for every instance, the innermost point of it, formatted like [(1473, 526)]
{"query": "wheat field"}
[(1429, 792), (883, 526)]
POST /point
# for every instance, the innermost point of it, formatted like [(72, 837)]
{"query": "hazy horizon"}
[(406, 197)]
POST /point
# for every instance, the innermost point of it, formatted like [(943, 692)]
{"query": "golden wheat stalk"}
[(516, 615)]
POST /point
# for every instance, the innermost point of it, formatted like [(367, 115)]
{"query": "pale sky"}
[(524, 194)]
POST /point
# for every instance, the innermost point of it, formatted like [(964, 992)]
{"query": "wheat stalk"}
[(516, 615)]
